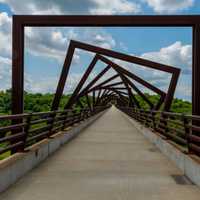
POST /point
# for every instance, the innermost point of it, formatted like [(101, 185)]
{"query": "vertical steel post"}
[(17, 66), (196, 71)]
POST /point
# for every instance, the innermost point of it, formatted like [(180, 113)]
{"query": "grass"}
[(5, 155)]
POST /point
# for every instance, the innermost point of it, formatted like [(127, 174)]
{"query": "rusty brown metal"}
[(123, 72), (81, 83), (19, 22)]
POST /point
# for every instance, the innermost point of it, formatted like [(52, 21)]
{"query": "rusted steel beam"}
[(124, 57), (81, 83), (159, 103), (106, 96), (118, 92), (132, 85), (63, 77), (98, 96), (115, 84), (109, 20), (17, 67), (88, 102), (108, 99), (94, 80), (132, 100), (127, 58), (131, 75), (171, 90), (196, 71), (104, 82), (20, 21), (118, 88), (93, 99)]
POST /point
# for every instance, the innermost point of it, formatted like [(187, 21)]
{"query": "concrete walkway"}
[(110, 160)]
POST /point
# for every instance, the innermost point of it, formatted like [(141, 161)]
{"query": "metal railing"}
[(20, 131), (180, 128)]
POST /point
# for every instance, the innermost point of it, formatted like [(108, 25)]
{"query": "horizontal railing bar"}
[(35, 137), (11, 117), (38, 121), (176, 127), (12, 137), (10, 147), (12, 127), (28, 128), (36, 130)]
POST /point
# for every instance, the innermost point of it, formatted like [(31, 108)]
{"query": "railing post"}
[(26, 130), (146, 123), (163, 121), (187, 131), (153, 120), (65, 120), (73, 117), (51, 122)]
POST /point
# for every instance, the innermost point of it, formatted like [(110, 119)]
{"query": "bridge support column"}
[(17, 66), (196, 71)]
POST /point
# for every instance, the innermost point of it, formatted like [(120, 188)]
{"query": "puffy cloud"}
[(5, 35), (169, 6), (184, 91), (5, 51), (53, 42), (41, 85), (5, 73), (73, 7), (114, 7), (176, 54), (47, 42)]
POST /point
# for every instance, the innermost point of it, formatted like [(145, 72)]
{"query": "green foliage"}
[(42, 102), (5, 102), (178, 105), (181, 106)]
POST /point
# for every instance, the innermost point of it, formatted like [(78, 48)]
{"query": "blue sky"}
[(46, 47)]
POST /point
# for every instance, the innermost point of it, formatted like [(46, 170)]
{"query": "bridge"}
[(109, 147), (110, 159)]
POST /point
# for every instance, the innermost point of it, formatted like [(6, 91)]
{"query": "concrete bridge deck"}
[(110, 160)]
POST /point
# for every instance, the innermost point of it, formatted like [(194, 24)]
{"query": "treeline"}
[(42, 102), (178, 105)]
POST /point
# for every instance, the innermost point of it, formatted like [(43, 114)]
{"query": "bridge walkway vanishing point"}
[(110, 160)]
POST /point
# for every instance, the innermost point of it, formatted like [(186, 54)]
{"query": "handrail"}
[(23, 130), (180, 128)]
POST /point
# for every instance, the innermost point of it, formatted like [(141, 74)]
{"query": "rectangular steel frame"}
[(21, 21)]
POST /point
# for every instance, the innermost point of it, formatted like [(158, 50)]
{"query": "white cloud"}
[(176, 54), (53, 42), (115, 7), (5, 73), (41, 85), (5, 51), (169, 6), (73, 6), (5, 35), (47, 42), (184, 91), (98, 37)]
